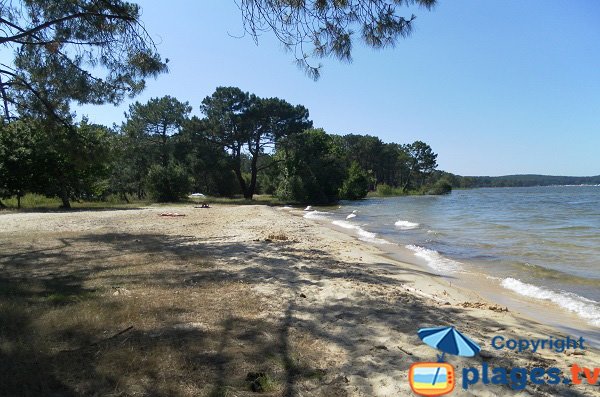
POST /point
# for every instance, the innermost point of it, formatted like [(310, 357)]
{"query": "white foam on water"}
[(316, 215), (345, 225), (406, 225), (435, 260), (583, 307), (366, 235), (362, 233)]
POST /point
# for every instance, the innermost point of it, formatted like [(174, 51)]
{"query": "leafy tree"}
[(50, 159), (322, 28), (441, 186), (134, 155), (75, 161), (424, 160), (356, 185), (17, 161), (245, 124), (312, 167), (365, 150), (206, 161), (88, 51), (170, 183), (155, 121)]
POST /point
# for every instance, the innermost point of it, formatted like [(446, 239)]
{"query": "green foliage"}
[(205, 160), (49, 159), (17, 161), (86, 51), (245, 125), (168, 184), (521, 181), (312, 168), (442, 186), (384, 190), (356, 185), (317, 29), (32, 200), (423, 161), (245, 145)]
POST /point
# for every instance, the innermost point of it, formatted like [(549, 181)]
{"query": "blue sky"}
[(495, 87)]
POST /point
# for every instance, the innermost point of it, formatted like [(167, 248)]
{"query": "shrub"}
[(170, 183), (440, 187), (356, 185)]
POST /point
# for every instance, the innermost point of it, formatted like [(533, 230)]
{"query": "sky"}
[(494, 87)]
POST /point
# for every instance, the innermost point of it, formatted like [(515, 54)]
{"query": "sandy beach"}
[(128, 302)]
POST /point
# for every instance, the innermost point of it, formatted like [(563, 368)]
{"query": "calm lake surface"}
[(542, 243)]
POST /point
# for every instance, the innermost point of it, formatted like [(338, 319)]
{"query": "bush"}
[(440, 187), (385, 190), (170, 183), (356, 185)]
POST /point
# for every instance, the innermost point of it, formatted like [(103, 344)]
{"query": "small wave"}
[(435, 260), (362, 233), (316, 215), (345, 225), (406, 225), (585, 308)]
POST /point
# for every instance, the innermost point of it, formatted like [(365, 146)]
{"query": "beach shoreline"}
[(468, 276), (324, 313)]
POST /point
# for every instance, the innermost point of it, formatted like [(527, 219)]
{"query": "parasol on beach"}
[(448, 340)]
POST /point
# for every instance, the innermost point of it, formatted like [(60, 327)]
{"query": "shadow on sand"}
[(165, 354)]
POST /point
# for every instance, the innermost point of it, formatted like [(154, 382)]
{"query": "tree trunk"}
[(253, 175), (240, 177), (19, 200), (64, 196), (238, 173), (164, 156)]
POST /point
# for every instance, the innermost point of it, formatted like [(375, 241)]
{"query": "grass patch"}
[(383, 190), (31, 200), (63, 298), (261, 382), (264, 199), (40, 202), (277, 236), (189, 332)]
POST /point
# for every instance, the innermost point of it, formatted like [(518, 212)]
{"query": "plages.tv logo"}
[(438, 378)]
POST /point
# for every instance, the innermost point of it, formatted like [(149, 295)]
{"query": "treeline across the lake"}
[(243, 146), (526, 180)]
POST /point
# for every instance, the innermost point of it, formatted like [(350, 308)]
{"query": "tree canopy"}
[(322, 28), (87, 51), (246, 125)]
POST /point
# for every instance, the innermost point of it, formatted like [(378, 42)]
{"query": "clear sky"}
[(495, 87)]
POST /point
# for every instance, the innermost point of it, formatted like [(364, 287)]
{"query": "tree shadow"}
[(277, 309)]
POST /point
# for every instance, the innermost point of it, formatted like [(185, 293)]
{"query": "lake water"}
[(539, 243)]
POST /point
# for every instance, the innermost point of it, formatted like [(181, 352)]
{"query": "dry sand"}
[(224, 292)]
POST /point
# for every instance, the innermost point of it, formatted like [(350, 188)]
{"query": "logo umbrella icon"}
[(448, 340)]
